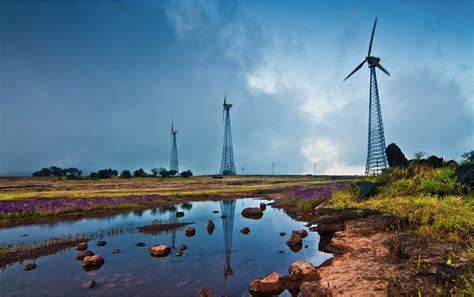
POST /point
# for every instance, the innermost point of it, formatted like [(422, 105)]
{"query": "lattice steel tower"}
[(376, 157), (228, 210), (174, 149), (227, 165)]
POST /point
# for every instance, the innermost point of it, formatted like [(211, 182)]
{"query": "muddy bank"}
[(156, 228)]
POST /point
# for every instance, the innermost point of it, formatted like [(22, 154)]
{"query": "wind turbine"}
[(376, 157)]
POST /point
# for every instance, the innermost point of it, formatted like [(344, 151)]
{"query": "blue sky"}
[(94, 84)]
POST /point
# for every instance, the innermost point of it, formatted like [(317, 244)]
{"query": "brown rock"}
[(90, 261), (302, 271), (159, 250), (183, 247), (205, 293), (263, 206), (210, 227), (294, 240), (190, 232), (179, 253), (254, 213), (272, 284), (245, 230), (179, 214), (82, 246), (89, 284), (81, 255), (301, 233), (29, 267), (296, 248)]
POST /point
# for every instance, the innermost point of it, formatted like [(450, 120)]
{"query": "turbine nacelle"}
[(373, 60)]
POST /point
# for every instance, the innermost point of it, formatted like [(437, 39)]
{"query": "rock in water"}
[(179, 253), (210, 227), (101, 243), (302, 271), (190, 231), (215, 211), (301, 233), (395, 156), (294, 240), (282, 234), (92, 262), (205, 293), (263, 206), (179, 214), (183, 247), (140, 244), (252, 213), (272, 284), (159, 250), (466, 174), (82, 246), (245, 230), (29, 267), (81, 255), (364, 189), (115, 251), (89, 284)]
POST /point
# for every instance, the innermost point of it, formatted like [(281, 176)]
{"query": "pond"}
[(224, 261)]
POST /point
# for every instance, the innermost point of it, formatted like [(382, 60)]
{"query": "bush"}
[(140, 173), (126, 174), (93, 175), (107, 173), (186, 174)]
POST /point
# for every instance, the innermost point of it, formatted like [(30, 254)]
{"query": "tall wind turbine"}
[(174, 149), (227, 164), (376, 158)]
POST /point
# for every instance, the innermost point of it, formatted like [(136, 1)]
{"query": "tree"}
[(56, 171), (93, 175), (107, 173), (43, 172), (468, 157), (419, 155), (155, 171), (126, 174), (72, 172), (140, 173), (172, 172), (186, 174), (163, 172)]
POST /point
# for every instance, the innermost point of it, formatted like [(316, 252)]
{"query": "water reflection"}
[(228, 210)]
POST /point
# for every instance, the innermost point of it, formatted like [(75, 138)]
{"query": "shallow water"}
[(225, 261)]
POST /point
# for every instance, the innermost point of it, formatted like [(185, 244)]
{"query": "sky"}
[(95, 84)]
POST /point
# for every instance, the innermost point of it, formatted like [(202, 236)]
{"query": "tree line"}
[(72, 173)]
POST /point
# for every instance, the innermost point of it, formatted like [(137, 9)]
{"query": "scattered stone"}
[(272, 284), (179, 253), (263, 206), (115, 251), (179, 214), (140, 244), (254, 213), (282, 234), (101, 243), (205, 293), (95, 260), (364, 189), (183, 247), (190, 232), (215, 211), (29, 267), (82, 246), (306, 246), (466, 174), (301, 233), (159, 250), (294, 240), (245, 230), (89, 284), (81, 255), (395, 156), (210, 227), (23, 235)]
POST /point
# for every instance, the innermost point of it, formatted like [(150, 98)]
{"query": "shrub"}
[(107, 173), (140, 173), (186, 174), (126, 174)]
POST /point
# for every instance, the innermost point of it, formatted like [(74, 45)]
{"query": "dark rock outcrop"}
[(395, 156), (92, 262), (252, 213), (190, 232), (263, 206), (435, 162), (466, 174), (210, 227), (245, 230), (364, 189)]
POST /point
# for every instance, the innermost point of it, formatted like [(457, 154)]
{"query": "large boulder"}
[(263, 206), (82, 254), (272, 284), (245, 230), (395, 156), (252, 213), (81, 246), (300, 272), (294, 240), (364, 189), (92, 262), (435, 162), (190, 232), (159, 250), (466, 174)]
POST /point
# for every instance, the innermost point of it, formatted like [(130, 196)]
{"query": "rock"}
[(82, 246), (272, 284), (210, 227), (183, 247), (29, 267), (395, 156), (179, 253), (435, 162), (314, 288), (222, 216), (190, 232), (301, 233), (205, 293), (89, 284), (263, 206), (282, 234), (364, 189), (301, 271), (81, 255), (294, 240), (92, 261), (115, 251), (215, 211), (452, 163), (306, 246), (140, 244), (296, 248), (245, 230), (466, 174), (101, 243), (179, 214), (252, 213), (159, 250)]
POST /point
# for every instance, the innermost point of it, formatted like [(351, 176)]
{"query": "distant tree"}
[(140, 173), (107, 173), (172, 172), (186, 205), (468, 157), (72, 172), (186, 174), (155, 171), (126, 174), (419, 155), (163, 172), (56, 171), (43, 172), (93, 175)]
